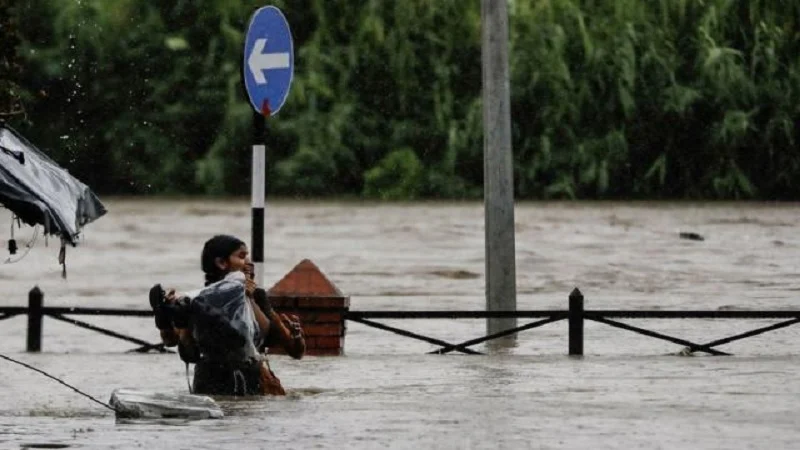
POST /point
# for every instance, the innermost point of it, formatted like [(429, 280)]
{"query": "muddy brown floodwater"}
[(628, 392)]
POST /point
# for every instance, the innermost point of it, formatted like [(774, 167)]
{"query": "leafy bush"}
[(398, 176)]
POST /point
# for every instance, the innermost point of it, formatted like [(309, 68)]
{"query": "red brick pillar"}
[(321, 307)]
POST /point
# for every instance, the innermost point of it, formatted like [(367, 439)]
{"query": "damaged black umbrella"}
[(40, 192)]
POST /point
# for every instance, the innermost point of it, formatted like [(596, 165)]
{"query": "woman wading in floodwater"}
[(225, 329)]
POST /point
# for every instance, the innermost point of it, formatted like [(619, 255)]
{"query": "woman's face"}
[(238, 261)]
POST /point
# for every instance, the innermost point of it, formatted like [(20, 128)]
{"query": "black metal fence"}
[(576, 316), (36, 311)]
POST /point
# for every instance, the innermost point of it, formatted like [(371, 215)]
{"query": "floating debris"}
[(45, 445), (135, 404), (456, 274), (691, 236)]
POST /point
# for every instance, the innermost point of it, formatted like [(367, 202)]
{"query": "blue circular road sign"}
[(268, 60)]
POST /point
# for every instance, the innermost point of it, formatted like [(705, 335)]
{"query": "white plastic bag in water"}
[(136, 404)]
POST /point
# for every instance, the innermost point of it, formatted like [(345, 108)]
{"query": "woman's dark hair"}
[(219, 246)]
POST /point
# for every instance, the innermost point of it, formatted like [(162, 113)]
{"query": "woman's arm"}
[(188, 349), (250, 290), (290, 335), (182, 337), (261, 318), (169, 337), (291, 340)]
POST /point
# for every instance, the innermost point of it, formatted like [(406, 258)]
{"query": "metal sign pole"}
[(258, 192), (267, 71)]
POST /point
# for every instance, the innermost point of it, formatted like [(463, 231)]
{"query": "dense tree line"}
[(610, 99)]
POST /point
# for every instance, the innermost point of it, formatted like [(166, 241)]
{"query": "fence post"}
[(35, 305), (576, 323)]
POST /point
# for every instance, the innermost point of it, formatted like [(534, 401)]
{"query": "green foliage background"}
[(610, 98)]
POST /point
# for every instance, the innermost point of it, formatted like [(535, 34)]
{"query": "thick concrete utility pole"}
[(498, 170)]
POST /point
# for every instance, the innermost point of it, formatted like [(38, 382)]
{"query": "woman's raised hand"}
[(250, 287)]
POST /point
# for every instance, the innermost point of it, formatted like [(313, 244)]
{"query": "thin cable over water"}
[(27, 366)]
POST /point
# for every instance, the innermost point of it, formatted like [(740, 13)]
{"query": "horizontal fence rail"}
[(59, 310), (354, 315), (575, 316), (563, 314)]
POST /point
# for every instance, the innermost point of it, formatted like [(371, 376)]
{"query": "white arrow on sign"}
[(259, 62)]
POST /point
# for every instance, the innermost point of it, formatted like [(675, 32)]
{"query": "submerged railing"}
[(576, 316), (36, 312)]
